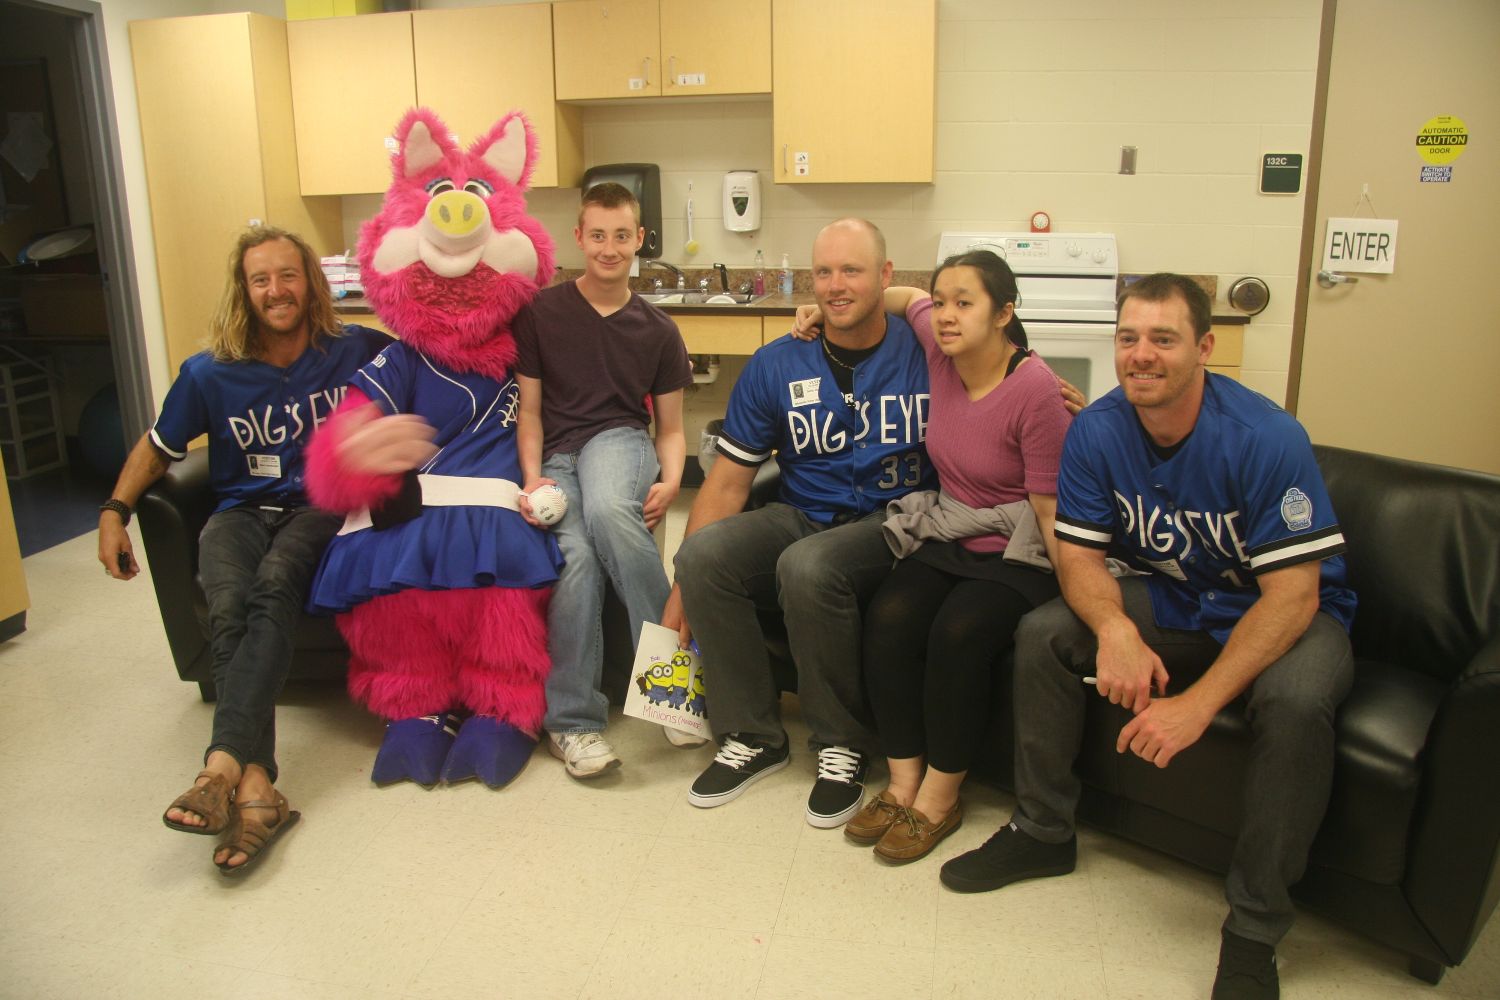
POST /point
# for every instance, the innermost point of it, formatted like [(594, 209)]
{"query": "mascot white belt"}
[(443, 597)]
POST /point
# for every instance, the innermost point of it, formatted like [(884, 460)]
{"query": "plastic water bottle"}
[(760, 273)]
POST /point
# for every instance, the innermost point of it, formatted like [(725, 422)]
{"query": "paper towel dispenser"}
[(642, 180)]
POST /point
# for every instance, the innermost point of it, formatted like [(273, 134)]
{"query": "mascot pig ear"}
[(510, 148), (424, 142)]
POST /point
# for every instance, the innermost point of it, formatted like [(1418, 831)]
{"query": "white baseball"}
[(548, 503)]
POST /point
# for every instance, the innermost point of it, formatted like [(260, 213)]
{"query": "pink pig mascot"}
[(439, 585)]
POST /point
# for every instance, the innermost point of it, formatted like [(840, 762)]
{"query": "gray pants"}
[(1290, 707), (256, 565), (820, 577)]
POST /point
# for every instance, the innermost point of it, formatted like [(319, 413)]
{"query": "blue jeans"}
[(256, 565), (604, 532)]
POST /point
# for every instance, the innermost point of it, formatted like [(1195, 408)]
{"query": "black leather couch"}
[(1408, 850), (171, 515)]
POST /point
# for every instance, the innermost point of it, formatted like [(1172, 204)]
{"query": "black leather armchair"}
[(171, 516), (1409, 850)]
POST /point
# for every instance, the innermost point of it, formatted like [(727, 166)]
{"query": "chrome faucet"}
[(681, 278)]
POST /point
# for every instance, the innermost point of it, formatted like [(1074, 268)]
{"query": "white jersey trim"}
[(1303, 551), (741, 454), (173, 453), (388, 399), (1092, 537)]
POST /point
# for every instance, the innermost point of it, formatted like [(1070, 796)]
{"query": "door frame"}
[(1310, 205), (111, 221)]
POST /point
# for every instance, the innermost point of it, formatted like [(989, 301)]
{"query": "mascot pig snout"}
[(457, 218)]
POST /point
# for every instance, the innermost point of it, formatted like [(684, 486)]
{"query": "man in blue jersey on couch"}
[(1212, 491), (276, 367), (846, 416)]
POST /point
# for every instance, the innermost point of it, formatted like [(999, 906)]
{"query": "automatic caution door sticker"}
[(1441, 141)]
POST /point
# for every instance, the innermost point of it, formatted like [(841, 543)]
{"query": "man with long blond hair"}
[(276, 367)]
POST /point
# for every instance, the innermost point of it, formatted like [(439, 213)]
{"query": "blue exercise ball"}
[(101, 434)]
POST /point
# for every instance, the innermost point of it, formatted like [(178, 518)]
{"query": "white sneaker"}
[(585, 755), (678, 738)]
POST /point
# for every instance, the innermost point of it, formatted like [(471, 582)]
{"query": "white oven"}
[(1067, 302)]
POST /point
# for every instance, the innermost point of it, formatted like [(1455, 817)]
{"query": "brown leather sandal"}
[(251, 837), (211, 801)]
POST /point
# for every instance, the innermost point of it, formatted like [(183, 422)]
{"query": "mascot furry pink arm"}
[(439, 585)]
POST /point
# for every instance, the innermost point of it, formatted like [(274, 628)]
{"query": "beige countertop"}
[(774, 304)]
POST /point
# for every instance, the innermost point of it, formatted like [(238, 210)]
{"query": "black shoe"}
[(840, 789), (1247, 970), (1009, 856), (735, 767)]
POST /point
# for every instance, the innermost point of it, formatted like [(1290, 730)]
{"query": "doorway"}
[(1404, 363), (73, 385)]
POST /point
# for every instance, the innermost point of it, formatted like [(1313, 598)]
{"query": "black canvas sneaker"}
[(735, 767), (840, 789)]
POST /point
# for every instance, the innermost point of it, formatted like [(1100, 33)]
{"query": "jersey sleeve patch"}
[(1296, 510), (1284, 552), (1094, 536)]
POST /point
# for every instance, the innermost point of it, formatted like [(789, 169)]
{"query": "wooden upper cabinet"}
[(344, 111), (726, 42), (215, 107), (607, 48), (475, 65), (655, 48), (853, 91)]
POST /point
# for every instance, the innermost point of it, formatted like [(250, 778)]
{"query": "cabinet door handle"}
[(783, 159), (646, 66), (671, 71)]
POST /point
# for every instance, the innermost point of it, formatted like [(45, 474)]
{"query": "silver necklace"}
[(841, 364)]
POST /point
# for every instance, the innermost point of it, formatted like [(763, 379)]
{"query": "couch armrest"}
[(1453, 878), (171, 515)]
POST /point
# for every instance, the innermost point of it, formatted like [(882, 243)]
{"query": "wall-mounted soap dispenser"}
[(742, 201)]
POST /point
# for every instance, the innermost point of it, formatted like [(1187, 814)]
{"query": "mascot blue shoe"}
[(414, 749), (489, 749)]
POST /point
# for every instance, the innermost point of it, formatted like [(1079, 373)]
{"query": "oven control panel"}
[(1083, 254)]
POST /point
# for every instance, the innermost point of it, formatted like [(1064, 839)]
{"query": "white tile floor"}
[(548, 888)]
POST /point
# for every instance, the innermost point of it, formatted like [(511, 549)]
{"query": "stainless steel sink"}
[(675, 297)]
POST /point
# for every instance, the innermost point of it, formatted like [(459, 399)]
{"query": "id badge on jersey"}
[(264, 466), (804, 392)]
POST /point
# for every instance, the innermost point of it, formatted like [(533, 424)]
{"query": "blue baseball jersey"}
[(835, 459), (445, 547), (1242, 496), (259, 417)]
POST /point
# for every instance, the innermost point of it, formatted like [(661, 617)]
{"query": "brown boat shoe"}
[(871, 822), (912, 835)]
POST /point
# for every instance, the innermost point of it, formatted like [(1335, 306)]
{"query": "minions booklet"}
[(666, 683)]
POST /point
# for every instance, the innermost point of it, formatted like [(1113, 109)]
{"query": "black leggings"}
[(932, 642)]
